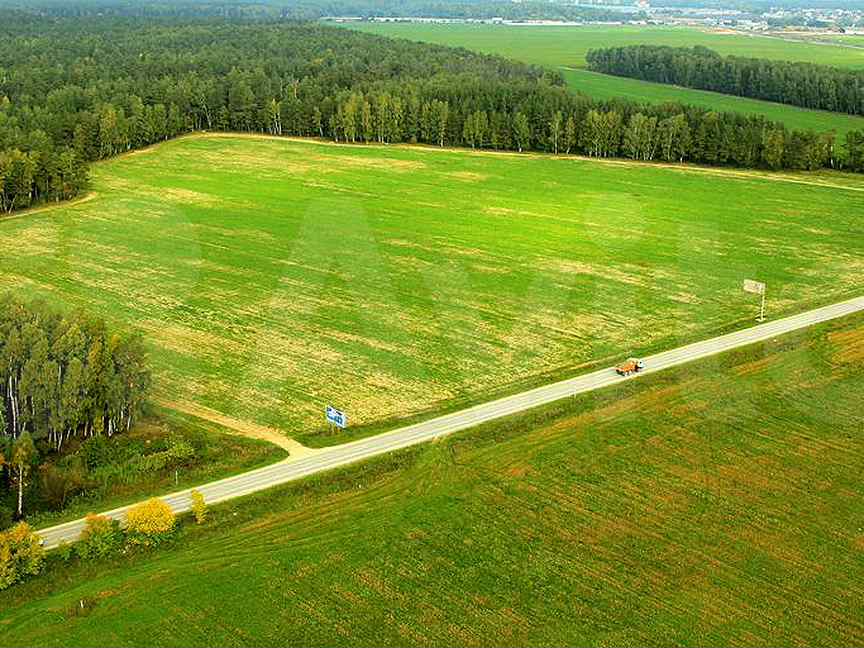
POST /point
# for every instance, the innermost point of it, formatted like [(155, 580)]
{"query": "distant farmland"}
[(564, 48), (719, 503), (274, 277), (551, 45)]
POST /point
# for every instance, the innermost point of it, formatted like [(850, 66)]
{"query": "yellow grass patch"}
[(365, 162), (39, 240), (849, 346), (467, 176), (184, 340), (754, 366), (635, 277)]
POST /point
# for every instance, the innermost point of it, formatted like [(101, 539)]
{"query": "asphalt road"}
[(328, 458)]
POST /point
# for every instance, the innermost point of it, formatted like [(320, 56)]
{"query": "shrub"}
[(150, 522), (97, 451), (58, 485), (21, 555), (179, 453), (6, 517), (101, 537), (199, 507), (65, 551)]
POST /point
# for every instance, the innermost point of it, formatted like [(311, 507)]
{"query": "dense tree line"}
[(66, 376), (807, 85), (36, 170), (77, 90), (548, 118), (314, 9)]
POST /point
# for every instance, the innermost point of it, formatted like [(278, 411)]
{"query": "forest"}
[(76, 90), (550, 119), (808, 85), (65, 376), (314, 9), (62, 378)]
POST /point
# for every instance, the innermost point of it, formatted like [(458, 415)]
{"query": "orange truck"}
[(633, 365)]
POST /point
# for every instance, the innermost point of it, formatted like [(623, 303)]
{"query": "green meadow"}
[(850, 40), (719, 503), (567, 46), (273, 277), (552, 45), (603, 86), (564, 49)]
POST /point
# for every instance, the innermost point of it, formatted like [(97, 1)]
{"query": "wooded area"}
[(808, 85), (548, 118), (61, 377), (314, 9), (77, 90), (64, 376)]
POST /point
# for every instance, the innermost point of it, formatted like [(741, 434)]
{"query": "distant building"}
[(342, 19)]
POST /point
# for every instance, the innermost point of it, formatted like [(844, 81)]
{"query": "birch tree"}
[(23, 457), (555, 125), (521, 131)]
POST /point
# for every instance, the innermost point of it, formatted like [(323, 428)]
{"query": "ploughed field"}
[(564, 49), (273, 277), (718, 503)]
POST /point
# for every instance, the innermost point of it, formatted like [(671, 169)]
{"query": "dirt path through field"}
[(244, 428), (49, 207)]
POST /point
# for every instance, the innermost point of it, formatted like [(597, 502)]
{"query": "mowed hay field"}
[(272, 277), (716, 504), (564, 49)]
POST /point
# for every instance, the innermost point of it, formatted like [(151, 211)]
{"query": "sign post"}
[(757, 288), (335, 417)]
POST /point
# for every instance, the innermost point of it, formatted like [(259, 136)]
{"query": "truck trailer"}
[(633, 365)]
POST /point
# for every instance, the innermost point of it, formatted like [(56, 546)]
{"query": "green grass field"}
[(603, 86), (567, 46), (716, 504), (852, 40), (272, 277), (857, 40), (564, 48)]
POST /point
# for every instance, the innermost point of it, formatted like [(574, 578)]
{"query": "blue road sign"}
[(337, 418)]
